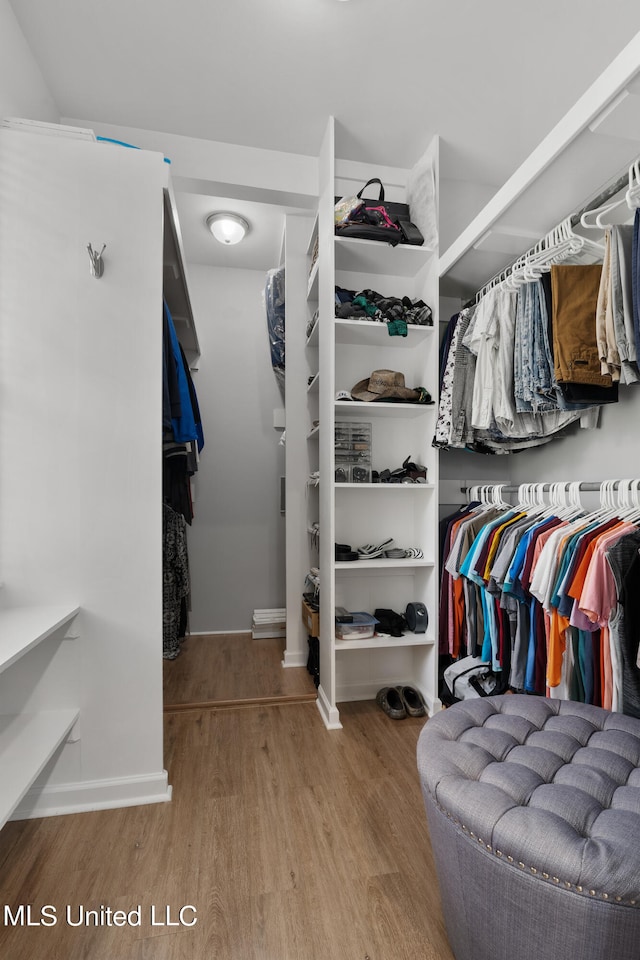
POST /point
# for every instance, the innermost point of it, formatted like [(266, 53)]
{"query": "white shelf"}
[(382, 564), (313, 433), (312, 237), (371, 256), (175, 282), (27, 743), (376, 408), (385, 486), (312, 289), (314, 385), (380, 643), (23, 628), (312, 339), (371, 333)]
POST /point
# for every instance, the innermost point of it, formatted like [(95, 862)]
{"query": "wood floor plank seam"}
[(247, 702)]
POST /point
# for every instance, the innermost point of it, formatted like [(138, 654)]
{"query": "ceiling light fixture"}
[(228, 228)]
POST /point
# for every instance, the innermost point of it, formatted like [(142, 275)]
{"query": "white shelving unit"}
[(348, 351), (312, 369), (302, 439), (34, 723)]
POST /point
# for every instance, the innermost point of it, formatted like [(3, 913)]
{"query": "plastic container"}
[(352, 444), (362, 628)]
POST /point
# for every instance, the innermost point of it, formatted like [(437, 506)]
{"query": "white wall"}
[(237, 541), (459, 202), (23, 91), (609, 452)]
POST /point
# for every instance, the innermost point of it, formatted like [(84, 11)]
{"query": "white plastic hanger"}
[(628, 503), (497, 498), (599, 213), (609, 508), (632, 195), (582, 244), (634, 493), (560, 244)]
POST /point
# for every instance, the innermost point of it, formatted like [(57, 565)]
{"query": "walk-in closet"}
[(242, 555)]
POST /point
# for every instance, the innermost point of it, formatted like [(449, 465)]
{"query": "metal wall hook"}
[(96, 261)]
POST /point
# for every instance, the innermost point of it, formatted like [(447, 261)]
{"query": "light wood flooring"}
[(291, 841), (228, 668)]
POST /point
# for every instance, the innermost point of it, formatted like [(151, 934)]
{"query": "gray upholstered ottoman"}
[(534, 816)]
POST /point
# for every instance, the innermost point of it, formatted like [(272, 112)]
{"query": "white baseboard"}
[(329, 714), (358, 691), (216, 633), (295, 658), (434, 705), (52, 801)]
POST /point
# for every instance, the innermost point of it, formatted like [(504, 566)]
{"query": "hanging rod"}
[(621, 183), (591, 486)]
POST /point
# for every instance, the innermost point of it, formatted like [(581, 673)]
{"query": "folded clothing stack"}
[(397, 312)]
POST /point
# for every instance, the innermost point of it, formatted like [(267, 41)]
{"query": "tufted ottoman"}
[(534, 816)]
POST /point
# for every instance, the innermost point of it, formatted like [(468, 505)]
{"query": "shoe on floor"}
[(389, 700), (412, 701)]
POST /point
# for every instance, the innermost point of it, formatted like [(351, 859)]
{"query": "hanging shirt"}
[(184, 425)]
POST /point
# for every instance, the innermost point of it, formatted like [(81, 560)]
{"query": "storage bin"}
[(362, 628)]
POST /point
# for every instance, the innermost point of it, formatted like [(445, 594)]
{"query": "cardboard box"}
[(311, 620)]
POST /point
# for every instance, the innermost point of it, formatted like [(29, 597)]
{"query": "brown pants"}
[(574, 291)]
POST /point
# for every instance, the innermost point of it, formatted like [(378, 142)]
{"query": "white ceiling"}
[(491, 78), (260, 249)]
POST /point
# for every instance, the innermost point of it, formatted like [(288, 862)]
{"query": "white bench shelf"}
[(23, 628), (29, 739), (27, 743)]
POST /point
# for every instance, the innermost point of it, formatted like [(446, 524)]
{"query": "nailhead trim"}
[(534, 870)]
